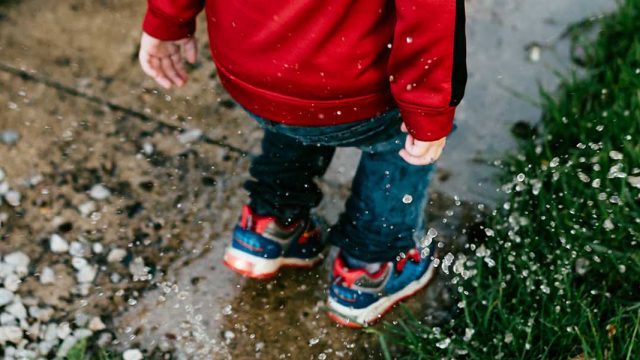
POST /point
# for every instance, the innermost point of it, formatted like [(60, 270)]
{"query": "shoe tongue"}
[(351, 275)]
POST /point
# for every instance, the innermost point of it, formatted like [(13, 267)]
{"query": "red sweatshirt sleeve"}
[(171, 19), (427, 65)]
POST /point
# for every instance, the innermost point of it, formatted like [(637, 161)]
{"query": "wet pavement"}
[(85, 114)]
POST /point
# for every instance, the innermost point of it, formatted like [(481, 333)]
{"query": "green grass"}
[(566, 242)]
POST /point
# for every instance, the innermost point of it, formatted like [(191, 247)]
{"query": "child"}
[(381, 75)]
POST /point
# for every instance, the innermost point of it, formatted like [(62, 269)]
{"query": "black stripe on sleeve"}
[(459, 74)]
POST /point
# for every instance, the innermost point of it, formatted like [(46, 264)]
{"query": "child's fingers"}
[(177, 65), (403, 128), (159, 76), (190, 50), (146, 65), (416, 148), (170, 72), (415, 160)]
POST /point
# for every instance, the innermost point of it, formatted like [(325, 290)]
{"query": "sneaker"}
[(358, 298), (261, 245)]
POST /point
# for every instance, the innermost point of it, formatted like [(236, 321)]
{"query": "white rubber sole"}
[(257, 267), (366, 316)]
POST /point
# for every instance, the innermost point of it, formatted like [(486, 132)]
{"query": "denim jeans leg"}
[(385, 213), (283, 176)]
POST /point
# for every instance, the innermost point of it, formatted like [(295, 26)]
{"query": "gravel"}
[(6, 296), (58, 244), (99, 192), (132, 354), (47, 276), (116, 255)]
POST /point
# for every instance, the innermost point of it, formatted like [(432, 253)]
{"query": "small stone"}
[(9, 137), (6, 296), (58, 244), (66, 345), (4, 188), (115, 278), (47, 276), (229, 335), (86, 208), (17, 259), (77, 249), (634, 181), (12, 282), (132, 354), (19, 262), (7, 319), (63, 330), (17, 310), (13, 198), (11, 334), (189, 136), (82, 333), (45, 347), (51, 333), (79, 263), (81, 319), (97, 248), (535, 53), (99, 192), (96, 324), (138, 270), (116, 255), (147, 148), (86, 274), (41, 314)]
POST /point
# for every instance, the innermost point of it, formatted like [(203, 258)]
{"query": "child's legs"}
[(283, 184), (385, 212)]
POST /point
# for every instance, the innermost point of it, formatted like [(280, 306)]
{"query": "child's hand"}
[(418, 152), (162, 60)]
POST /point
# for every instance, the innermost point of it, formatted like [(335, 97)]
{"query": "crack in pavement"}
[(29, 76)]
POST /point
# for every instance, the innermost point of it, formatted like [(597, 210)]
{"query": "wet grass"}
[(558, 276)]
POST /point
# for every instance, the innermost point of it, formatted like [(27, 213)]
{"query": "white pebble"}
[(132, 354), (77, 249), (97, 248), (86, 274), (189, 136), (17, 310), (19, 261), (96, 324), (79, 263), (86, 208), (7, 319), (99, 192), (6, 296), (12, 282), (4, 188), (63, 330), (13, 198), (58, 244), (10, 334), (47, 276), (147, 148), (116, 255)]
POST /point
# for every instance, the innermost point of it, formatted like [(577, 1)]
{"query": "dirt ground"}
[(71, 88)]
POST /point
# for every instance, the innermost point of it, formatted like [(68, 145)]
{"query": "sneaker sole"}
[(359, 318), (259, 268)]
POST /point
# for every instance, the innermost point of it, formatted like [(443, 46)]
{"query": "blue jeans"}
[(384, 214)]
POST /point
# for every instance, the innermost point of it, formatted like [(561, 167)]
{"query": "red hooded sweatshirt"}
[(324, 62)]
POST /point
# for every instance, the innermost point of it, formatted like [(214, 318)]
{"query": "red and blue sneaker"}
[(358, 298), (261, 245)]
